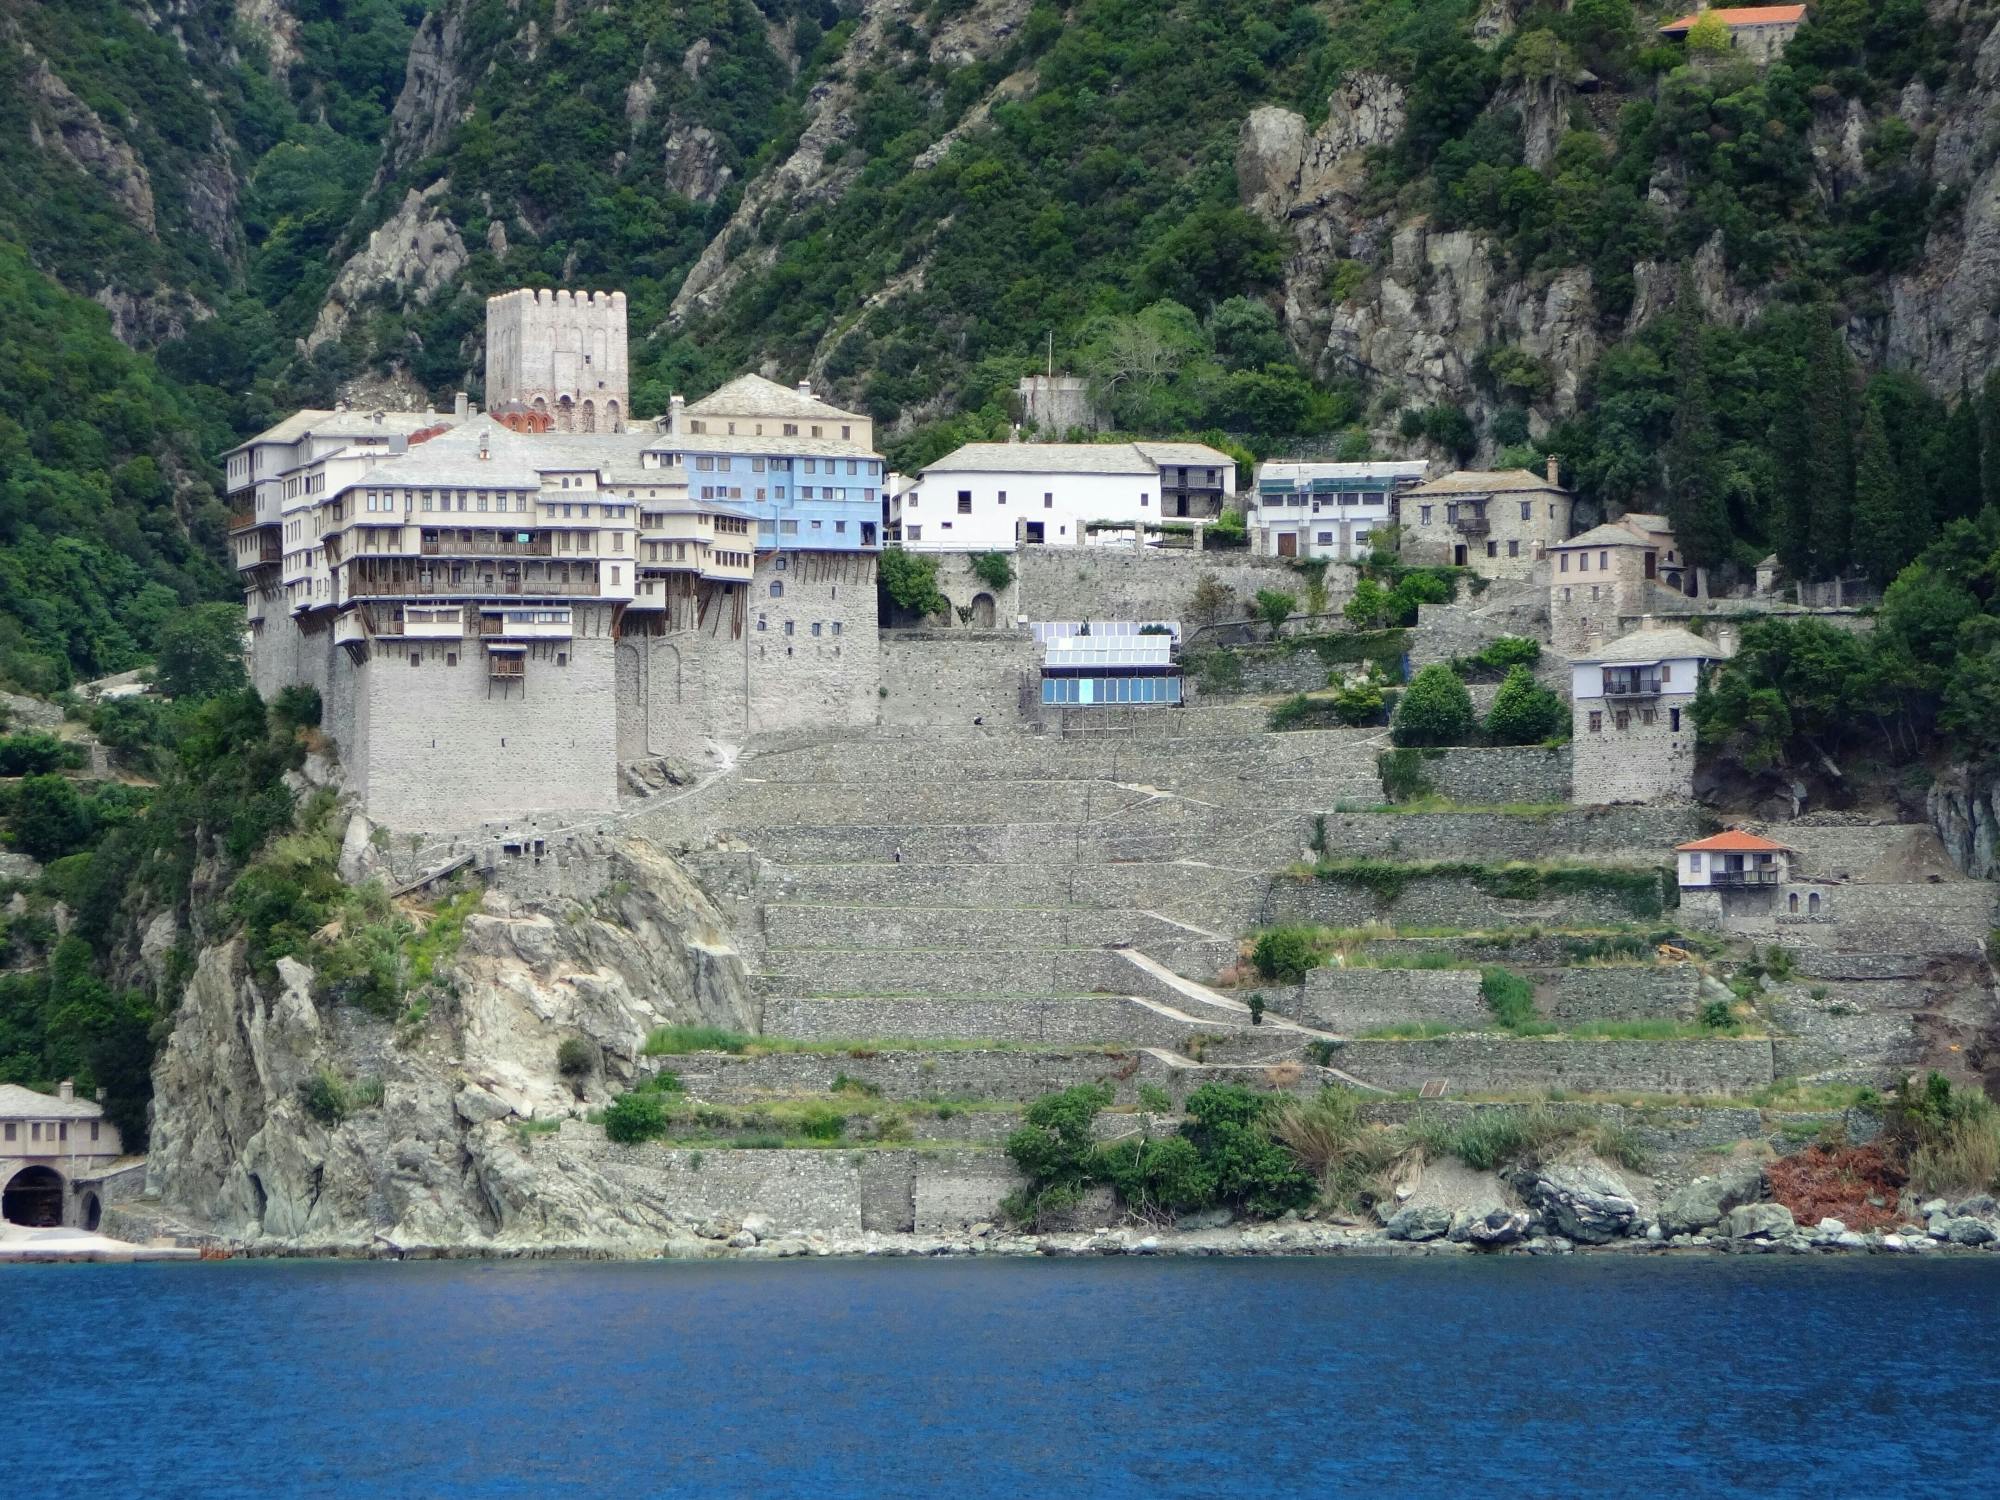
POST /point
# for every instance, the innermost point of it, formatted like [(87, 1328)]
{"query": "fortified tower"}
[(561, 354)]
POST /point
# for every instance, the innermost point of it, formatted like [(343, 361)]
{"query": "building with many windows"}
[(53, 1150), (1330, 510), (1633, 733), (995, 497), (1498, 523), (499, 611)]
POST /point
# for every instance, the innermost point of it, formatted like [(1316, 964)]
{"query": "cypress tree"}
[(1827, 463), (1694, 471), (1989, 439), (1880, 543), (1954, 463)]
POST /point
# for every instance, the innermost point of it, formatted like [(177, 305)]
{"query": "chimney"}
[(461, 406), (1553, 463), (66, 1089), (483, 454), (805, 388)]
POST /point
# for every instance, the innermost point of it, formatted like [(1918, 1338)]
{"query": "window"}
[(1525, 506), (416, 658), (777, 588), (1003, 497), (1593, 593), (1564, 566), (1791, 904), (836, 627), (1583, 562), (11, 1129), (1648, 716), (788, 528), (779, 565), (1144, 500), (1694, 864), (815, 627), (1048, 501), (914, 533), (815, 431), (762, 623), (791, 429), (451, 658), (1604, 562), (1623, 718), (614, 577), (840, 528), (853, 467), (1596, 721), (1426, 515), (1513, 549), (788, 626), (1666, 673), (93, 1130), (1492, 549), (707, 465), (1674, 719), (1326, 539), (965, 502), (756, 466)]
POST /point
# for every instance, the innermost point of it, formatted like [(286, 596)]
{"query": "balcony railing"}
[(479, 587), (1473, 525), (1631, 687), (485, 545), (267, 551), (1742, 879)]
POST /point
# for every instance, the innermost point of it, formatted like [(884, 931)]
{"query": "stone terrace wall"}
[(1625, 992), (1022, 1075), (1498, 1064), (1363, 999), (951, 677), (1487, 775), (1435, 901), (1644, 834), (1111, 583)]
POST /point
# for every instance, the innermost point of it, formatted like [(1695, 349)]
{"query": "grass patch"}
[(1410, 1031), (1949, 1137), (1657, 1029), (1490, 1138), (672, 1041), (1512, 1001)]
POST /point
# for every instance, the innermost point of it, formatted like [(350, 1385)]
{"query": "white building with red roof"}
[(1759, 32), (1733, 861)]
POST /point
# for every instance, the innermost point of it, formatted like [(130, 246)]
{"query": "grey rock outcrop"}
[(63, 125), (1582, 1201), (1490, 1228), (1706, 1200), (1760, 1221), (413, 255), (433, 98), (694, 165), (1963, 805), (246, 1145), (1419, 1221)]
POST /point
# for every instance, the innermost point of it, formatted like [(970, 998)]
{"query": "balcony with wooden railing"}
[(485, 544), (478, 586), (1471, 525)]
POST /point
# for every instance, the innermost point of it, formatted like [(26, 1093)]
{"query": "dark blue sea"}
[(1021, 1379)]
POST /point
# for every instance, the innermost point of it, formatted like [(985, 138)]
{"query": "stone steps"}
[(800, 926), (973, 971)]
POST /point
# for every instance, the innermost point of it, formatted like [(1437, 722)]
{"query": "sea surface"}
[(1022, 1379)]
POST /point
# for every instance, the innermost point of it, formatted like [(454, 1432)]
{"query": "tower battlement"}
[(561, 354)]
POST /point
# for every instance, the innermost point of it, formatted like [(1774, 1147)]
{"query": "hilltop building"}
[(52, 1149), (995, 497), (1759, 32), (1498, 523), (1613, 573), (1303, 509), (483, 599), (1633, 737)]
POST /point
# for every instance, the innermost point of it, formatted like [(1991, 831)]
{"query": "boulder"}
[(1491, 1228), (1981, 1207), (1583, 1202), (1966, 1230), (476, 1105), (1420, 1221), (1760, 1221), (1705, 1200)]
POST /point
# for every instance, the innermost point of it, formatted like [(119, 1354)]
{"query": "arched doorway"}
[(589, 420), (34, 1198), (93, 1212), (614, 421), (565, 415), (982, 611)]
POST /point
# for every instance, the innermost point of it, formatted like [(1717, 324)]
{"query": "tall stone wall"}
[(559, 352), (1641, 833), (951, 677), (1641, 762), (1362, 999), (1500, 1064), (1438, 901), (441, 745), (1625, 992)]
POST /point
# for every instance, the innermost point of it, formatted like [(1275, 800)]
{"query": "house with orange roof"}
[(1733, 861), (1759, 32)]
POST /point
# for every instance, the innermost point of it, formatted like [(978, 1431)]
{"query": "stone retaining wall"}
[(1081, 1020), (972, 971), (951, 677), (1109, 583), (1625, 992), (1485, 775), (1500, 1064), (1641, 834), (997, 1074), (1436, 901), (939, 926), (1363, 999)]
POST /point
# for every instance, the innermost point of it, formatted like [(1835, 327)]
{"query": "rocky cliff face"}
[(1964, 808), (246, 1145)]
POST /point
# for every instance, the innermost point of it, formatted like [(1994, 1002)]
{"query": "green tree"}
[(1524, 712), (1813, 446), (1888, 518), (50, 819), (1435, 709), (1274, 607), (1989, 439), (1709, 36), (201, 652), (1370, 606), (1954, 462), (909, 581), (1693, 457)]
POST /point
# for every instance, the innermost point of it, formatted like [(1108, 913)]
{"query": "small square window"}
[(416, 658), (451, 658), (1596, 721)]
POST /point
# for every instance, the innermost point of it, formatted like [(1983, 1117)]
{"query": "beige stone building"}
[(1758, 32), (1630, 701), (1610, 576), (52, 1149), (1496, 522)]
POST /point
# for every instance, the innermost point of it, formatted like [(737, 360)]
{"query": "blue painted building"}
[(804, 470)]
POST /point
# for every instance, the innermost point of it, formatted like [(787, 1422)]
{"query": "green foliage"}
[(1499, 656), (671, 1041), (1949, 1136), (575, 1058), (994, 569), (1642, 890), (908, 581), (49, 818), (1434, 710), (1511, 999), (1274, 607), (635, 1118), (200, 652), (1285, 954), (1402, 772), (1359, 703), (329, 1098), (1524, 712), (36, 754)]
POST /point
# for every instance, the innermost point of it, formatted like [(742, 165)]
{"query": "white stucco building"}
[(1733, 861), (52, 1147), (1303, 509), (994, 497)]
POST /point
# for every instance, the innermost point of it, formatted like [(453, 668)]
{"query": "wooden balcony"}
[(1635, 685), (476, 587), (1473, 525), (1740, 880), (485, 544)]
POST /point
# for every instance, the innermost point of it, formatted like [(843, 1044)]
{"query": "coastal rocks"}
[(1760, 1221), (1706, 1200), (1419, 1222), (413, 255), (1490, 1229), (1581, 1201)]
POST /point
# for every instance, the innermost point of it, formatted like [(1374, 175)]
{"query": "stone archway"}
[(614, 420), (588, 421), (982, 611), (92, 1213), (565, 415), (34, 1198)]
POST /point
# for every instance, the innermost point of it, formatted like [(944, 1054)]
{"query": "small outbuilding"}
[(52, 1148), (1733, 861)]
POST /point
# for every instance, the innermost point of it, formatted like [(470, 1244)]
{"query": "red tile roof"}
[(1735, 841), (1743, 15)]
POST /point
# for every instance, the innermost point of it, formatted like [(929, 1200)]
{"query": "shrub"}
[(994, 569), (1274, 607), (1403, 778), (1230, 529), (1330, 1142), (1211, 601), (1950, 1136), (822, 1121), (1435, 710), (1155, 1100), (575, 1057), (324, 1097), (1524, 712), (1360, 704), (50, 819), (36, 754), (1503, 654), (909, 581), (297, 706), (1510, 997), (635, 1118), (1055, 1150), (1285, 954), (1228, 1130)]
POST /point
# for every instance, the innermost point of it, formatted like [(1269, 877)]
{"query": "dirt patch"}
[(1824, 1183)]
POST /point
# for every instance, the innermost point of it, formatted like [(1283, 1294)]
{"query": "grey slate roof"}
[(1608, 535), (17, 1103), (754, 396), (1644, 647), (1046, 458), (1487, 482)]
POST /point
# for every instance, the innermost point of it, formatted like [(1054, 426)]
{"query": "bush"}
[(1227, 1128), (994, 569), (1360, 704), (1510, 997), (297, 706), (50, 819), (1274, 607), (1501, 654), (671, 1041), (575, 1057), (1330, 1142), (324, 1097), (1435, 709), (634, 1118), (908, 581), (36, 754), (1285, 954), (1950, 1137), (1524, 712)]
